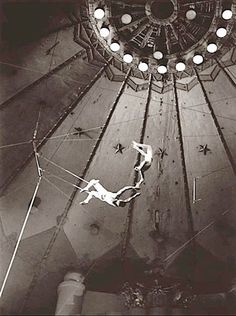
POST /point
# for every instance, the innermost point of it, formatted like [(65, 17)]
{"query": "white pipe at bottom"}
[(70, 294)]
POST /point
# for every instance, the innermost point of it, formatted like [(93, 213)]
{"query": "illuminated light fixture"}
[(99, 13), (162, 69), (197, 59), (221, 32), (158, 55), (227, 14), (128, 58), (142, 66), (180, 66), (191, 14), (115, 46), (211, 48), (104, 31), (126, 18)]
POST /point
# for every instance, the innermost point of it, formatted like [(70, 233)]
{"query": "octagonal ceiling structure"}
[(161, 34)]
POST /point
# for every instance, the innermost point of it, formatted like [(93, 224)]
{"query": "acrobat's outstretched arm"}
[(131, 198), (118, 194), (136, 146), (138, 184)]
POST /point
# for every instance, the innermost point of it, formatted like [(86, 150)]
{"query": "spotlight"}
[(180, 66), (143, 66), (221, 32), (211, 48), (128, 58), (191, 14), (104, 31), (115, 46), (227, 14), (198, 59), (162, 69), (126, 18), (158, 55), (99, 13)]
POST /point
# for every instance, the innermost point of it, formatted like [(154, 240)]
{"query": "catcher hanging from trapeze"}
[(113, 198)]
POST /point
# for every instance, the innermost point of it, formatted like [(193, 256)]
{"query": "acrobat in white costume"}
[(146, 163), (109, 197)]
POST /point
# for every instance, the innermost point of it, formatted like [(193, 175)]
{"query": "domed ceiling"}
[(84, 86), (161, 36)]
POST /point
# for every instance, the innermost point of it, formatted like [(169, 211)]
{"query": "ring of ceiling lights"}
[(163, 36)]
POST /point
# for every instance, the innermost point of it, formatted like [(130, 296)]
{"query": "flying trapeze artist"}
[(112, 198), (146, 152)]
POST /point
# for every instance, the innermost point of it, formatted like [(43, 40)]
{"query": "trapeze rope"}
[(56, 165), (57, 177)]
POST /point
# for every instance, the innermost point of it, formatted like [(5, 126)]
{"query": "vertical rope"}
[(70, 201), (129, 217), (56, 125)]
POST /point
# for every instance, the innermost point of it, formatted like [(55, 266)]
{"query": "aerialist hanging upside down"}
[(109, 197), (146, 163)]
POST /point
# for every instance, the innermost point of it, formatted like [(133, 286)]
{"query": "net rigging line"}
[(101, 126), (39, 169), (194, 237)]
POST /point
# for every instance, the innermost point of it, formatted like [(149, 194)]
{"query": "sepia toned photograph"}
[(117, 157)]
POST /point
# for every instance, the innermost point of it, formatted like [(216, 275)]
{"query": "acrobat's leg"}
[(118, 194), (131, 198), (138, 168), (138, 184)]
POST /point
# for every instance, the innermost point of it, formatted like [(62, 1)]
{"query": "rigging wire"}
[(194, 237), (62, 168)]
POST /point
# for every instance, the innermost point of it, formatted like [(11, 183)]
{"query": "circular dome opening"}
[(126, 18), (162, 9), (158, 54), (211, 48), (104, 31), (115, 46), (221, 32), (180, 66), (99, 13), (198, 59), (162, 69), (128, 58), (191, 14), (143, 66), (227, 14)]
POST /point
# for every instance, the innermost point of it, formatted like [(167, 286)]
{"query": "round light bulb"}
[(198, 59), (191, 14), (126, 18), (180, 66), (143, 66), (221, 32), (162, 69), (227, 14), (158, 55), (115, 46), (99, 13), (128, 58), (104, 31), (211, 48)]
